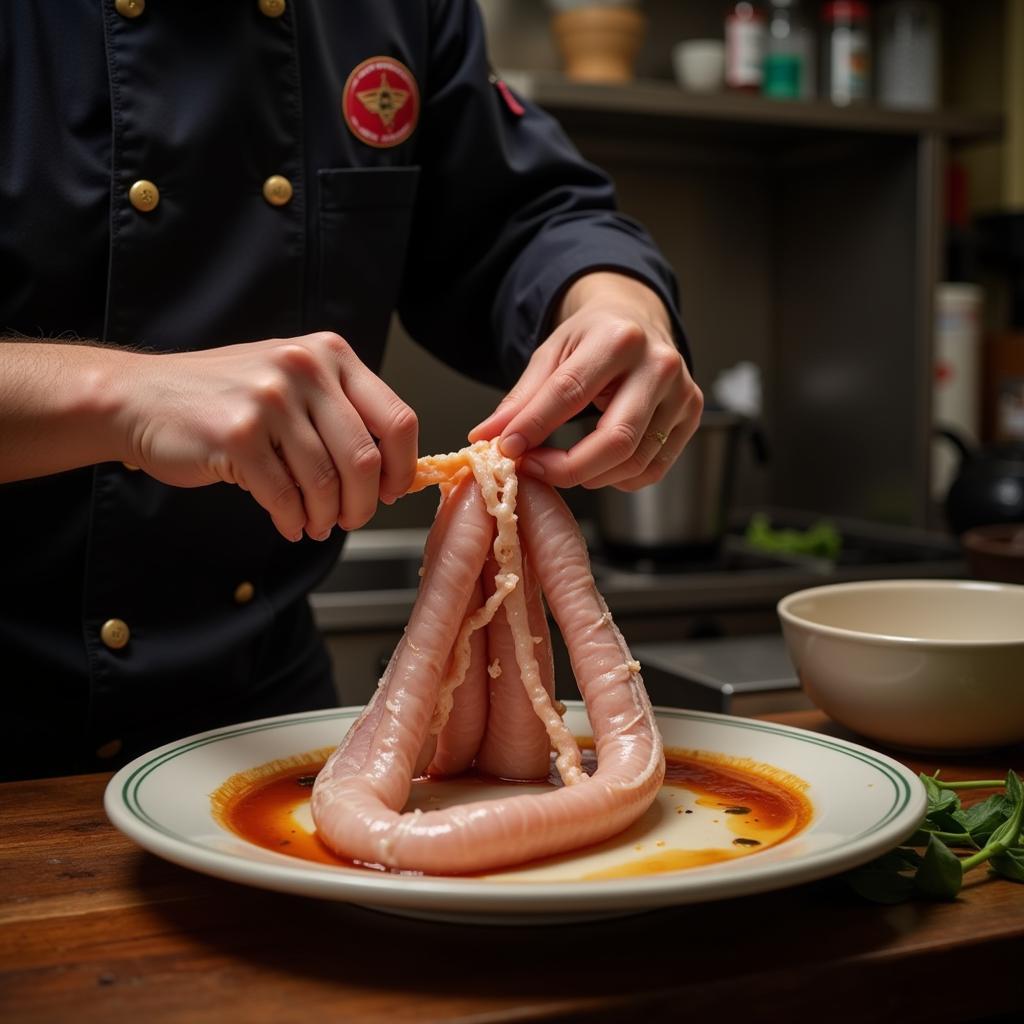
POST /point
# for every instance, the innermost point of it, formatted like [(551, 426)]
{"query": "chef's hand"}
[(292, 421), (613, 348)]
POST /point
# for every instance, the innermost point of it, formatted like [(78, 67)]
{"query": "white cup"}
[(699, 64)]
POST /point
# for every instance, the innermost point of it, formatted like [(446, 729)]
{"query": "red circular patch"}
[(381, 102)]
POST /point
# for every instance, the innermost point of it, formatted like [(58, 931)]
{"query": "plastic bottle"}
[(956, 383), (846, 63), (789, 63), (908, 55), (744, 47)]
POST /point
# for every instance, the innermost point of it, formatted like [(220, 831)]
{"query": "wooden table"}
[(93, 928)]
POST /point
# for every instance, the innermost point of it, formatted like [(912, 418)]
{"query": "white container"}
[(908, 55), (699, 64), (956, 380)]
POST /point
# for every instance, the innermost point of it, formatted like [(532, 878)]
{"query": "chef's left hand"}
[(613, 348)]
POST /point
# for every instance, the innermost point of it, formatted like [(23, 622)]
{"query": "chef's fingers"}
[(388, 418), (540, 367), (269, 481), (662, 462), (313, 469), (567, 390), (358, 460), (652, 444), (360, 484), (619, 431)]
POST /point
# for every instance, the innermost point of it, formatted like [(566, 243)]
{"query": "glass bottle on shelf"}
[(909, 45), (789, 64), (744, 47), (846, 52)]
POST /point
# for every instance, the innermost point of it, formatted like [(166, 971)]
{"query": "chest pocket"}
[(365, 214)]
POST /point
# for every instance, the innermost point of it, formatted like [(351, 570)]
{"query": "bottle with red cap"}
[(744, 47), (846, 57)]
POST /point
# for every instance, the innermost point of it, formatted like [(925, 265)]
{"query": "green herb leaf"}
[(1008, 833), (946, 821), (983, 819), (920, 837), (939, 799), (1014, 789), (903, 858), (1009, 864), (995, 828), (955, 839), (940, 875), (887, 879), (1004, 836), (881, 886)]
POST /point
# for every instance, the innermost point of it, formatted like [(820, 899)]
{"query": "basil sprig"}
[(987, 833)]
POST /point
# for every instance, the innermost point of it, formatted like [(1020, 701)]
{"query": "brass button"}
[(272, 8), (129, 8), (144, 196), (109, 750), (277, 190), (131, 466), (244, 592), (115, 633)]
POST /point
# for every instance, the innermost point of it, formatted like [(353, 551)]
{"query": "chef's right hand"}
[(291, 420)]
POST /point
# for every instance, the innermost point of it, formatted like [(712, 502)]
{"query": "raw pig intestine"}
[(442, 706)]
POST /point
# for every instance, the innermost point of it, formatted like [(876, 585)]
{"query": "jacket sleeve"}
[(507, 215)]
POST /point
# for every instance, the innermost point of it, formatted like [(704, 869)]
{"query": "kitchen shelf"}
[(807, 238), (657, 108)]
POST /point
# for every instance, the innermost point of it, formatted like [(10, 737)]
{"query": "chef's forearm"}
[(59, 407)]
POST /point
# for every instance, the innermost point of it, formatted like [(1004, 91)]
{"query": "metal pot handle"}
[(957, 441)]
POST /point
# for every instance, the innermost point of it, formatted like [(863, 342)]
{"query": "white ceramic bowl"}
[(699, 64), (927, 665)]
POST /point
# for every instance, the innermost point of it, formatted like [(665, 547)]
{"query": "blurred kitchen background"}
[(840, 189)]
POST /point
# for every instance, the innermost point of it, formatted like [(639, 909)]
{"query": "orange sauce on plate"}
[(760, 805)]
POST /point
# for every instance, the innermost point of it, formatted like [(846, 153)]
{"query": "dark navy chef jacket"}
[(470, 228)]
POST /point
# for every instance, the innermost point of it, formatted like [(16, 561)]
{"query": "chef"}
[(208, 213)]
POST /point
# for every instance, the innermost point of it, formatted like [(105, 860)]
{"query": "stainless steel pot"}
[(684, 513)]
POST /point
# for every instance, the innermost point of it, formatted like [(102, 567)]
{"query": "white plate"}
[(864, 804)]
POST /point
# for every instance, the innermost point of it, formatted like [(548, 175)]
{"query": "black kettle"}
[(989, 485)]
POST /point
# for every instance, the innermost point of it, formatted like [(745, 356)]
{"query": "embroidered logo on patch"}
[(381, 102)]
